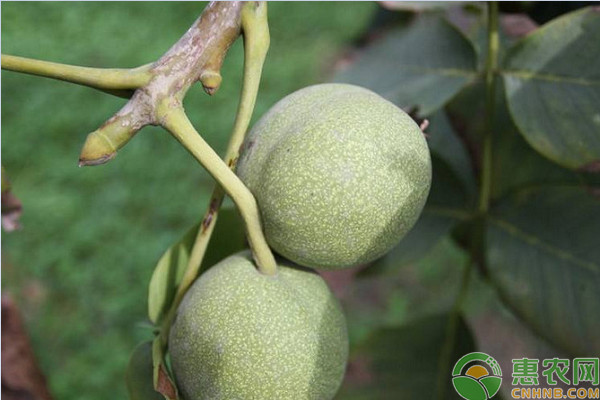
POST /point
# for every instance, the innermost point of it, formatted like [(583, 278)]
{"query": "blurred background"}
[(79, 268)]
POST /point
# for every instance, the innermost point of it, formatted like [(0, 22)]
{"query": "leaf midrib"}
[(533, 75), (536, 242)]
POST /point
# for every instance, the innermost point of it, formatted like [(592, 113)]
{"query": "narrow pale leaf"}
[(161, 379), (228, 238), (167, 275)]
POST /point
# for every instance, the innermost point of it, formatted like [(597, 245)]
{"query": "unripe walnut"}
[(340, 175), (240, 334)]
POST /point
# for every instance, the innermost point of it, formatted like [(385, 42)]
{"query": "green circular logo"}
[(477, 376)]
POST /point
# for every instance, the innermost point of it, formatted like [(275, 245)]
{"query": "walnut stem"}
[(256, 45), (176, 121)]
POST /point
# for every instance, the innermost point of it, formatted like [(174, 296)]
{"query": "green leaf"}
[(406, 362), (543, 257), (228, 238), (452, 192), (421, 65), (167, 275), (515, 163), (138, 376), (552, 85)]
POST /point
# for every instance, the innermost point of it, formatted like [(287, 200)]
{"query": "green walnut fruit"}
[(340, 175), (240, 334)]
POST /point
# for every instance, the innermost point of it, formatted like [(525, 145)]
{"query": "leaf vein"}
[(438, 71), (535, 241), (533, 75)]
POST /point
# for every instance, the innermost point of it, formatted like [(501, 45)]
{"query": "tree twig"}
[(197, 56), (118, 81)]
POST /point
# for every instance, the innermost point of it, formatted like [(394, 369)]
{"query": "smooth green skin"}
[(340, 175), (240, 334)]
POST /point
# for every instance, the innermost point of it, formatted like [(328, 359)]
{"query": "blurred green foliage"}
[(91, 237), (533, 242)]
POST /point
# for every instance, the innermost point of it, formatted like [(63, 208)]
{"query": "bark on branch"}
[(197, 56)]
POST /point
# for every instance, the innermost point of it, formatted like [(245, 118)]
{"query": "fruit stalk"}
[(256, 44), (177, 123)]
